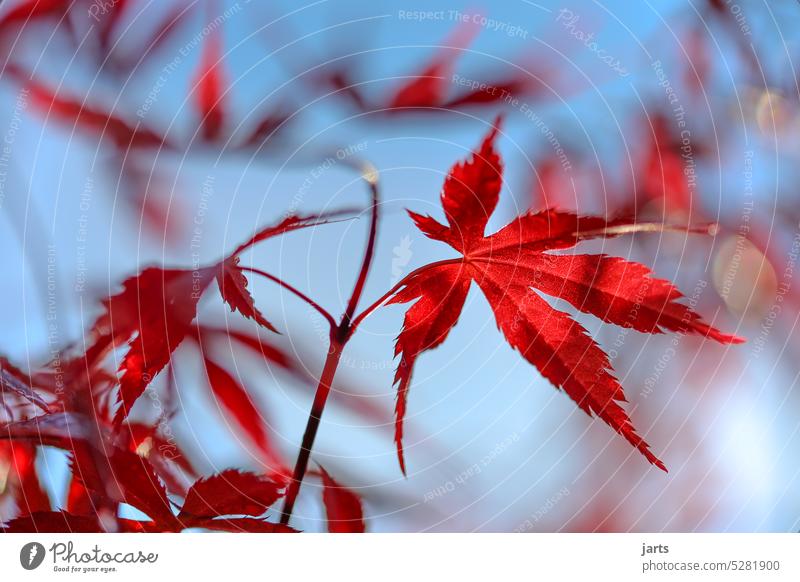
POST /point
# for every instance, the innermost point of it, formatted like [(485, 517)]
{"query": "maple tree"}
[(85, 407), (155, 311)]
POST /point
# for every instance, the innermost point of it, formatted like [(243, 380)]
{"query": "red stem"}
[(314, 417), (321, 310), (368, 254), (340, 334)]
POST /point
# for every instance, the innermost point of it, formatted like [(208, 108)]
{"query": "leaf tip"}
[(401, 459), (498, 121)]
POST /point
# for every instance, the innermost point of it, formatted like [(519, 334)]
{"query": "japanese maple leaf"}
[(169, 462), (230, 493), (233, 398), (156, 310), (23, 479), (91, 119), (53, 522), (117, 475), (140, 486), (233, 288), (429, 87), (342, 507), (511, 267)]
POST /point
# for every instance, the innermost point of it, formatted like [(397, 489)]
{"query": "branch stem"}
[(369, 253), (340, 334), (312, 426), (291, 289)]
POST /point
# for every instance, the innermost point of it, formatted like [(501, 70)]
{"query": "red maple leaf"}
[(429, 87), (510, 267), (140, 487), (84, 117), (156, 310), (233, 288), (53, 522), (342, 506), (236, 402), (23, 480), (230, 493)]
